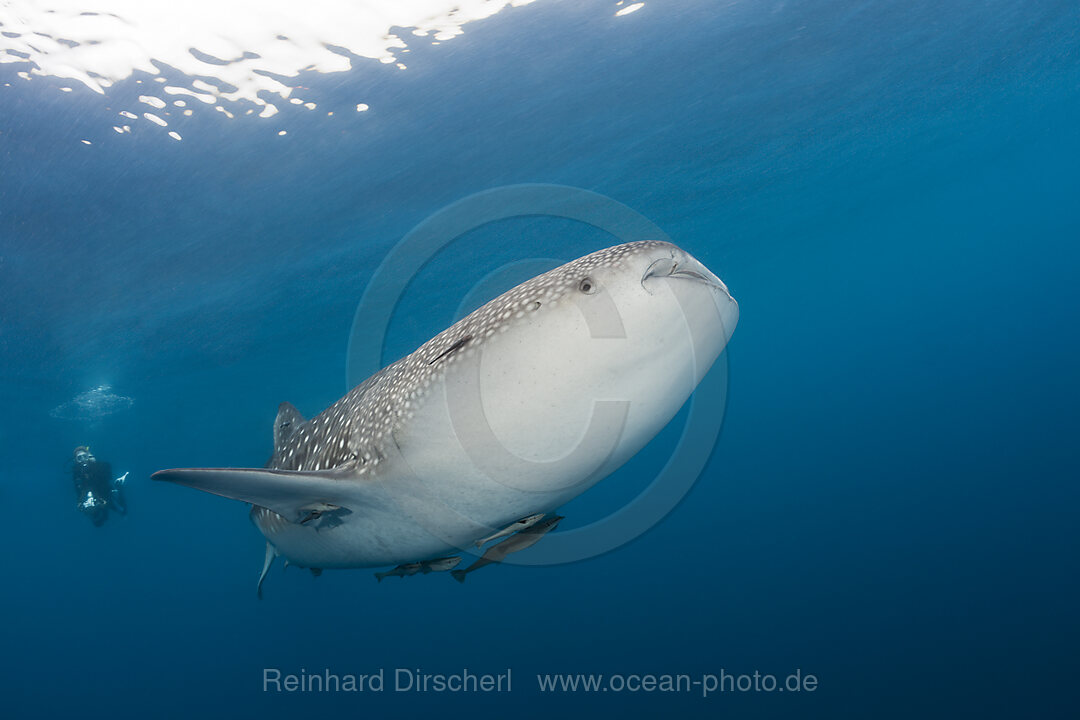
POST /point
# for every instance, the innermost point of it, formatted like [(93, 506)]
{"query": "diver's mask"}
[(83, 457)]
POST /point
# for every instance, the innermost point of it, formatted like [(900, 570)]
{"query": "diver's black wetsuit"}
[(96, 477)]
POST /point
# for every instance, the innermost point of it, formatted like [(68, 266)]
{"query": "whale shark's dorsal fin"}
[(293, 495), (285, 424)]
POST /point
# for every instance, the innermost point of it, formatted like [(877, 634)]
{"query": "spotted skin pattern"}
[(351, 432)]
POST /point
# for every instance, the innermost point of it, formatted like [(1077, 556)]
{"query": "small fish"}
[(428, 566), (400, 571), (519, 541), (522, 524), (440, 564), (328, 515)]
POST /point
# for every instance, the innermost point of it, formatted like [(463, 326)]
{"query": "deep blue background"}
[(890, 190)]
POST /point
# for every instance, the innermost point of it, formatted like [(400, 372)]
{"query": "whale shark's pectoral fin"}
[(271, 553), (293, 495)]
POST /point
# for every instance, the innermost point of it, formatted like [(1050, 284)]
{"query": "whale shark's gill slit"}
[(451, 350)]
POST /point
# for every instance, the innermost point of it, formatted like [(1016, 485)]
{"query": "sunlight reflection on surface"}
[(220, 54)]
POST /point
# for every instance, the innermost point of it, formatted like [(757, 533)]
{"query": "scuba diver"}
[(95, 490)]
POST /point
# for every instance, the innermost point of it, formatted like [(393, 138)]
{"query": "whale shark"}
[(514, 410)]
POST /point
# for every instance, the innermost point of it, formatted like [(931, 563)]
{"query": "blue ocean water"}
[(889, 190)]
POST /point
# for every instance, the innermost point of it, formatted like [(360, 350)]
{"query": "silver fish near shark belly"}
[(511, 412), (522, 524), (426, 567), (407, 570), (515, 543)]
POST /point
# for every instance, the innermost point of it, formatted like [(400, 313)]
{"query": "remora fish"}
[(400, 571), (440, 564), (512, 411), (519, 541), (525, 522), (428, 566)]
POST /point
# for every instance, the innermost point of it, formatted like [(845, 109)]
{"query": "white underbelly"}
[(520, 423)]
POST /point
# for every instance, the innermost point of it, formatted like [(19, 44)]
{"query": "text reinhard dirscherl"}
[(399, 680), (465, 680)]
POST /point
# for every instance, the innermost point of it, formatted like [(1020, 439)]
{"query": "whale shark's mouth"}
[(671, 268)]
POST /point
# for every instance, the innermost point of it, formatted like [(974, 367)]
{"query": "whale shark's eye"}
[(587, 286)]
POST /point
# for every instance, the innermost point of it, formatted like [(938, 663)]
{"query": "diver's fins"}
[(290, 494), (271, 553)]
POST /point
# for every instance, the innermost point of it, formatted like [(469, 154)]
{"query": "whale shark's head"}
[(606, 290), (610, 344), (641, 279), (644, 293)]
